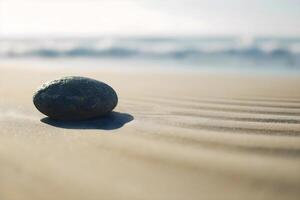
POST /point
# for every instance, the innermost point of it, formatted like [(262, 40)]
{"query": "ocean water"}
[(235, 53)]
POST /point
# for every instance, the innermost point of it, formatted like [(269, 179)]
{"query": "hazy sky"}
[(149, 17)]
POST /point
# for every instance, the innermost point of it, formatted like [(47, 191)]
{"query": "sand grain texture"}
[(193, 136)]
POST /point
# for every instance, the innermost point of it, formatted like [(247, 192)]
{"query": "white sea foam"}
[(195, 50)]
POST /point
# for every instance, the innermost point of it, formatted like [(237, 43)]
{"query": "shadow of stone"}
[(112, 121)]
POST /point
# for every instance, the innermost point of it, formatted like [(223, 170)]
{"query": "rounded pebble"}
[(75, 98)]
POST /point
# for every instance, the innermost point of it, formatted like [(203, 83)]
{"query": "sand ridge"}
[(193, 136)]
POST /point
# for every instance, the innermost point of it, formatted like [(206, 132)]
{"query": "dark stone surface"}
[(75, 98)]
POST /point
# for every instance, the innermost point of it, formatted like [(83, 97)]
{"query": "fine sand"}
[(174, 135)]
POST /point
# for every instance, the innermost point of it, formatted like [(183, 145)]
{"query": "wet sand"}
[(174, 135)]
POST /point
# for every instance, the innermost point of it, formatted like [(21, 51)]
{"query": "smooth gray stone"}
[(75, 98)]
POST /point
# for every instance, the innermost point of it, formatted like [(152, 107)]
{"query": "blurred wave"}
[(257, 51)]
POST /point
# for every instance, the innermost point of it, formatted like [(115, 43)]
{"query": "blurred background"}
[(218, 35)]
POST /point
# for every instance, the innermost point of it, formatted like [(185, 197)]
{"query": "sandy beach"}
[(174, 135)]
